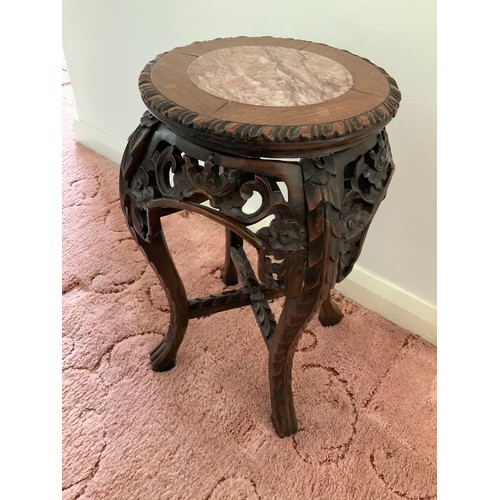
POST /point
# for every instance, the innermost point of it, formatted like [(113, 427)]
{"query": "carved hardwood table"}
[(232, 117)]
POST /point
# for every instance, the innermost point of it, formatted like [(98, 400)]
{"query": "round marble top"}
[(269, 76), (267, 96)]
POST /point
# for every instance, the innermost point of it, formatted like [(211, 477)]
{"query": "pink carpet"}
[(365, 390)]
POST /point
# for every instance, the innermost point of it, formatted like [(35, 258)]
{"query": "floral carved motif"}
[(285, 241), (283, 235)]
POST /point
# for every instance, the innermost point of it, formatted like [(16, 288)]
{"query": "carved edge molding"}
[(163, 106)]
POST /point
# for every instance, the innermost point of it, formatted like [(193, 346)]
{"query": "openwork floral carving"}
[(169, 173), (373, 170), (365, 190), (349, 196), (190, 177)]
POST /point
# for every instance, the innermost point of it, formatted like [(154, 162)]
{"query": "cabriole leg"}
[(137, 190), (164, 354)]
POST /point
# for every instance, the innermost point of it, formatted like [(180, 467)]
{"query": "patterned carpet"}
[(365, 390)]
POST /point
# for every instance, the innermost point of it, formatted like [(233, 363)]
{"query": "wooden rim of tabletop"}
[(208, 120)]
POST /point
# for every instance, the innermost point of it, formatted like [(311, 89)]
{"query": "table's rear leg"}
[(330, 313), (229, 274)]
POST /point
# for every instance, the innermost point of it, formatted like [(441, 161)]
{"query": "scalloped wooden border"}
[(160, 105)]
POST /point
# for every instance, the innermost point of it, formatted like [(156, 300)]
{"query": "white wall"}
[(108, 43)]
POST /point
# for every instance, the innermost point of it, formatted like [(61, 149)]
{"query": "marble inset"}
[(269, 76)]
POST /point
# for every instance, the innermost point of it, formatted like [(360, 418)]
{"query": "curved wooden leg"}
[(229, 274), (156, 251), (330, 313), (137, 191), (296, 313)]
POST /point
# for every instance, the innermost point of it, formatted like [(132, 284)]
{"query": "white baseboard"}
[(98, 141), (392, 302), (385, 298)]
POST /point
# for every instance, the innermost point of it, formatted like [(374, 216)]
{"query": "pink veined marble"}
[(269, 76)]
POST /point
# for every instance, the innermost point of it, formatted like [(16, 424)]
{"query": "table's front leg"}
[(296, 256), (341, 194)]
